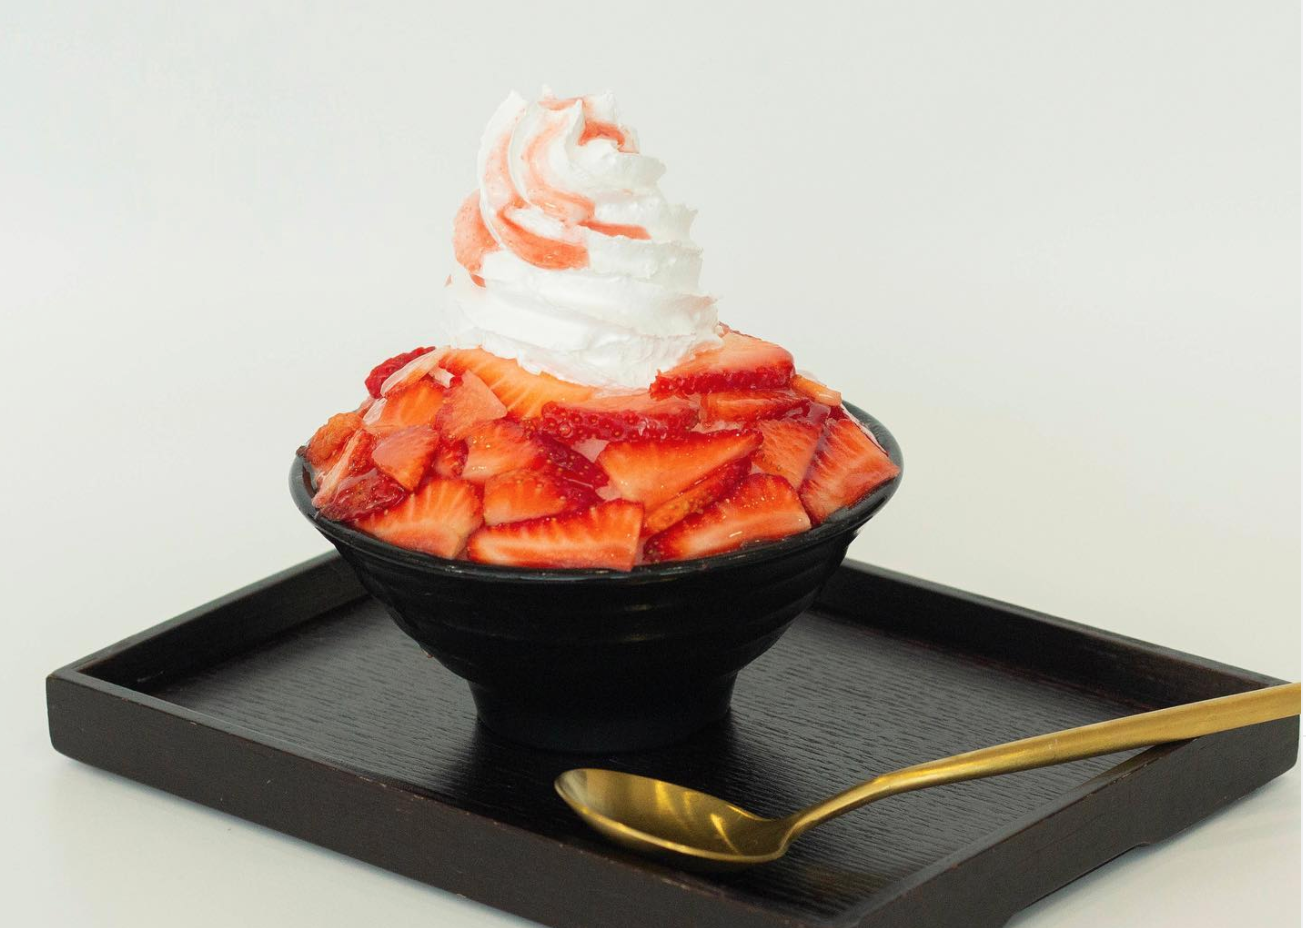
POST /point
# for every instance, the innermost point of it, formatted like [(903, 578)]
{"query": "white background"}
[(1055, 246)]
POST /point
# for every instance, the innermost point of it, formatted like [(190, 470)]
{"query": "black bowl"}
[(599, 660)]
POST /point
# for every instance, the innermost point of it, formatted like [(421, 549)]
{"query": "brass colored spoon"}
[(697, 831)]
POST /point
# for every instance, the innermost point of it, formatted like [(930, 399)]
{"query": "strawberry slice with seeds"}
[(468, 404), (652, 471), (524, 393), (436, 519), (741, 362), (405, 455), (415, 405), (527, 494), (848, 465), (618, 418), (354, 459), (606, 535), (788, 446), (450, 458), (750, 405), (570, 463), (697, 498), (359, 495), (327, 442), (816, 391), (763, 507), (498, 447), (383, 370)]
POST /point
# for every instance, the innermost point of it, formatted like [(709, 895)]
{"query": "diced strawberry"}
[(763, 507), (529, 494), (403, 409), (523, 393), (652, 471), (740, 363), (436, 519), (424, 365), (569, 463), (353, 459), (498, 447), (359, 495), (697, 498), (406, 454), (847, 466), (449, 460), (618, 418), (788, 446), (467, 404), (327, 442), (606, 535), (749, 405), (386, 368), (816, 391)]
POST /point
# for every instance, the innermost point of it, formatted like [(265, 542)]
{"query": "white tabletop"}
[(1053, 245)]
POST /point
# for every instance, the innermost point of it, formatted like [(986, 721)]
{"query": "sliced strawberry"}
[(449, 460), (606, 535), (327, 442), (697, 498), (652, 471), (749, 405), (386, 368), (763, 507), (424, 365), (529, 494), (740, 363), (403, 409), (467, 404), (618, 418), (848, 465), (436, 519), (354, 459), (523, 393), (498, 447), (406, 454), (570, 463), (816, 391), (788, 446), (359, 495)]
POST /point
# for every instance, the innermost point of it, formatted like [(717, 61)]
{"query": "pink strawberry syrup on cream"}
[(570, 259)]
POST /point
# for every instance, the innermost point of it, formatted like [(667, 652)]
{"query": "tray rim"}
[(83, 674)]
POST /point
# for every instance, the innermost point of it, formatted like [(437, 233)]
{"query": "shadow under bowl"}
[(599, 661)]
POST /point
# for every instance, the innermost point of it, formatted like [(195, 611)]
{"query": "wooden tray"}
[(296, 703)]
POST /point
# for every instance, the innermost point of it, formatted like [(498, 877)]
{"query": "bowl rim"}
[(846, 521)]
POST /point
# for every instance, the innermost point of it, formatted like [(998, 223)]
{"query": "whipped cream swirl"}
[(570, 259)]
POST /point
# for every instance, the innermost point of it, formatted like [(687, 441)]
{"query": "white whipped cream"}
[(570, 258)]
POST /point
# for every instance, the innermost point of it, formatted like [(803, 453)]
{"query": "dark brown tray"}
[(296, 703)]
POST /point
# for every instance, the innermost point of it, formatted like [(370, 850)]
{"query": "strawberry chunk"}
[(750, 405), (354, 459), (697, 498), (788, 446), (405, 455), (403, 409), (606, 535), (570, 463), (327, 442), (848, 465), (357, 496), (528, 494), (816, 391), (763, 507), (742, 362), (524, 393), (436, 519), (383, 370), (652, 471), (498, 447), (449, 460), (424, 365), (618, 418), (468, 404)]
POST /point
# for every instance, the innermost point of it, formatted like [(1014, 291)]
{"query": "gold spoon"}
[(697, 831)]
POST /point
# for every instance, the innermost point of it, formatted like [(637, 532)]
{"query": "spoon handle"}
[(1177, 723)]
